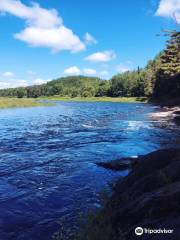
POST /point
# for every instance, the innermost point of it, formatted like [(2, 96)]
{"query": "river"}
[(47, 160)]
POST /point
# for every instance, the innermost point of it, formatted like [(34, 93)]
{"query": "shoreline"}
[(97, 99), (167, 114), (147, 197), (14, 102)]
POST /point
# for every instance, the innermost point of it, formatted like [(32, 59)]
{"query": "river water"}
[(47, 160)]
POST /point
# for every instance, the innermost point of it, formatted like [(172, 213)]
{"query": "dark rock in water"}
[(119, 164), (177, 112), (149, 197), (177, 118)]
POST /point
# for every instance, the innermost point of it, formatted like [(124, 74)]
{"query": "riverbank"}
[(167, 114), (166, 101), (148, 197), (19, 102), (97, 99)]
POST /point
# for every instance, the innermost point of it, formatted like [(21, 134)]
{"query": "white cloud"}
[(170, 9), (4, 85), (40, 81), (72, 71), (45, 27), (105, 56), (89, 39), (104, 73), (34, 15), (57, 39), (122, 68), (89, 71), (8, 74), (12, 83), (21, 83), (15, 82)]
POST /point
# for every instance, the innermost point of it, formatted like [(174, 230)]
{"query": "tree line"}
[(155, 80)]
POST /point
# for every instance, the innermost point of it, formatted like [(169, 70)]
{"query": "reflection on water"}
[(47, 170)]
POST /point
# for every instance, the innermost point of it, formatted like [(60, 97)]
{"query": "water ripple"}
[(47, 155)]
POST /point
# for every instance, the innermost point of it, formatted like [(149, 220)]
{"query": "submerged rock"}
[(177, 119), (119, 164), (177, 112), (149, 197)]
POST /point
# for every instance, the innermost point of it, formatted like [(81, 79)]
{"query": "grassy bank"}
[(18, 102), (97, 99), (6, 102)]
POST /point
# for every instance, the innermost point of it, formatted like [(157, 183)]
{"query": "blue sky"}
[(45, 40)]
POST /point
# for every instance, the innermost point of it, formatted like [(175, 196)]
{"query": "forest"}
[(159, 78)]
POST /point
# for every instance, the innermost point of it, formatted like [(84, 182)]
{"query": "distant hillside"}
[(76, 86), (67, 86)]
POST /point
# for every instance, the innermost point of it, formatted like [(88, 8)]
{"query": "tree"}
[(20, 93), (103, 89), (168, 76), (151, 70), (74, 93), (171, 55)]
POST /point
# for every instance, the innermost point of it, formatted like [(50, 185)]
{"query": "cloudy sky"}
[(44, 40)]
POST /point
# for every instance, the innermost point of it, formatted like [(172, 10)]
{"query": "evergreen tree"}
[(171, 56)]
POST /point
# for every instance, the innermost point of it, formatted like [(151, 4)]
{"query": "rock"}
[(177, 120), (177, 112), (148, 197), (119, 164), (166, 113)]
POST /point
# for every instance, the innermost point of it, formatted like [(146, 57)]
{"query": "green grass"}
[(6, 102), (97, 99)]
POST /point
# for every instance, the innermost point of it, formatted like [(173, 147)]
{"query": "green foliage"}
[(151, 69), (122, 85), (21, 93), (128, 84), (167, 78), (103, 89), (75, 86), (171, 55)]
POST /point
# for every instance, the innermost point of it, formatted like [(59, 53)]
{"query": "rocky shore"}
[(149, 197), (167, 113)]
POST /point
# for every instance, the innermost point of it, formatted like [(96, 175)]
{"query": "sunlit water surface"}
[(47, 160)]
